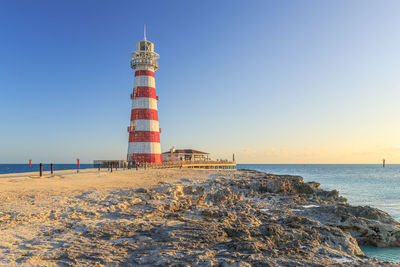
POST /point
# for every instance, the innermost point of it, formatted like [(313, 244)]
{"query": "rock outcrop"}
[(242, 218), (368, 225)]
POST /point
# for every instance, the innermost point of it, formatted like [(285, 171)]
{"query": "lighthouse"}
[(144, 131)]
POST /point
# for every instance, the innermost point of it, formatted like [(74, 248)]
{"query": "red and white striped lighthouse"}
[(144, 131)]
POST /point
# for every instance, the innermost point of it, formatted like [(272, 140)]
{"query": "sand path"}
[(43, 217), (68, 182)]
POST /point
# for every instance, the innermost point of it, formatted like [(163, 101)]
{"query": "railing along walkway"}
[(206, 164)]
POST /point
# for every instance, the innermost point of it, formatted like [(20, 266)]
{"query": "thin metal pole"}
[(41, 169), (51, 168)]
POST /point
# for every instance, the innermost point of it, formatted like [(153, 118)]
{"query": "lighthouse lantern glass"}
[(145, 46)]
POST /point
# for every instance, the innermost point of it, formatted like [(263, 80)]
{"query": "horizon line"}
[(27, 163)]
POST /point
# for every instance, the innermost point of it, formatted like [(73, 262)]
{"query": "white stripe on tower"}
[(145, 147), (146, 125), (145, 81), (144, 102), (144, 131)]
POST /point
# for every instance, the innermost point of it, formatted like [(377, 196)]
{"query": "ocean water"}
[(15, 168), (363, 185)]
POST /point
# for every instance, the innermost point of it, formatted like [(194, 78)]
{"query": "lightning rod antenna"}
[(145, 32)]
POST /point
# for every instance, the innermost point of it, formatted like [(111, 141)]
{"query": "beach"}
[(17, 186), (33, 207), (182, 217)]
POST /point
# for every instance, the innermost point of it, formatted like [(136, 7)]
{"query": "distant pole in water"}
[(51, 168), (383, 163), (233, 157), (41, 169), (78, 160), (30, 163)]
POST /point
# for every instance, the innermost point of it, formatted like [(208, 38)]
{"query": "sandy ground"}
[(39, 215), (67, 183)]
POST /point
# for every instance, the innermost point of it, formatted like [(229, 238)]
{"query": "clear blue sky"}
[(271, 81)]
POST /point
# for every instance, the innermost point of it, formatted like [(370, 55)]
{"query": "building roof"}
[(186, 151)]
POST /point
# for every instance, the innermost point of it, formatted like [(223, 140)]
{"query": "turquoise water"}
[(362, 185), (389, 254)]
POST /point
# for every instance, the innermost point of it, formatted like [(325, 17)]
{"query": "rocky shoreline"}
[(243, 218)]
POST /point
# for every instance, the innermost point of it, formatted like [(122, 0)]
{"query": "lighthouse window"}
[(142, 46)]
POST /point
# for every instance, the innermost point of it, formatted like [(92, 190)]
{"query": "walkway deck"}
[(226, 165)]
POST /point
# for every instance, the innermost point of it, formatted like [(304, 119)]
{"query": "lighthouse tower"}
[(144, 131)]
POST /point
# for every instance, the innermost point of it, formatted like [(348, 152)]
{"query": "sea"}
[(362, 184), (16, 168)]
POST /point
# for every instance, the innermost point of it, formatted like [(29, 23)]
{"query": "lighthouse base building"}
[(144, 131)]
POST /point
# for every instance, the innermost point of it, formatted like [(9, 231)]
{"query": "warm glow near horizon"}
[(321, 155)]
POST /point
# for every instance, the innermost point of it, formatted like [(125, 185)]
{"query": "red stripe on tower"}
[(145, 91), (144, 73), (144, 114), (155, 158), (144, 134)]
